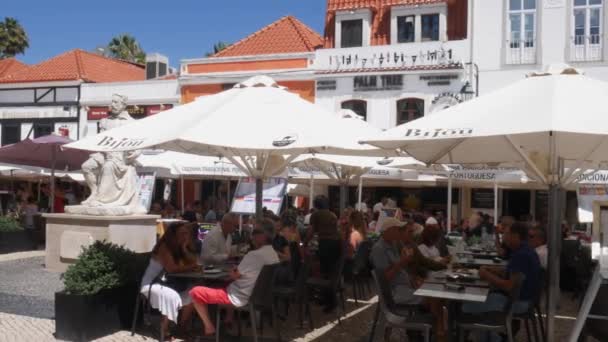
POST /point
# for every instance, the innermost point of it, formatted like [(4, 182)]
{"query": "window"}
[(521, 41), (352, 33), (420, 23), (430, 27), (406, 28), (357, 106), (587, 30), (11, 133), (409, 109), (42, 129)]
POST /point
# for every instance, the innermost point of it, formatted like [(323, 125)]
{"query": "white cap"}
[(431, 221)]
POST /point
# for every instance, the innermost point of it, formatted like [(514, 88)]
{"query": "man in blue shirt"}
[(523, 260)]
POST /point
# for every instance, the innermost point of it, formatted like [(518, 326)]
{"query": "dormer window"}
[(353, 28), (430, 27), (406, 29), (410, 24), (352, 33)]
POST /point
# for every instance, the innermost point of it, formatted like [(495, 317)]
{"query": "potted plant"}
[(99, 294), (12, 234)]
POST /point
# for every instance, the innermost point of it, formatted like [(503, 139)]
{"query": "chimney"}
[(157, 65)]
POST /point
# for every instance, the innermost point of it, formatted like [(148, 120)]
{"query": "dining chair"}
[(499, 321), (298, 293), (361, 269), (142, 302), (407, 317), (261, 300), (333, 284)]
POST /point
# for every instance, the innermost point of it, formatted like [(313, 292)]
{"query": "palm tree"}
[(13, 38), (217, 47), (126, 47)]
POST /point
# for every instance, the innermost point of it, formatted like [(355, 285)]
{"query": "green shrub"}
[(101, 266), (9, 224)]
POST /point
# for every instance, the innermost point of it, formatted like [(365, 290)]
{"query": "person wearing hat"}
[(399, 267), (243, 279)]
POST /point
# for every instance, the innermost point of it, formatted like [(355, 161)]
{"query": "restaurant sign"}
[(378, 83), (136, 111)]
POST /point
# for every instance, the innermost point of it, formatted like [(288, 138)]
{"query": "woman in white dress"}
[(428, 247), (171, 254)]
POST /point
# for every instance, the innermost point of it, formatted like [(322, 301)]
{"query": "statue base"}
[(67, 234), (104, 211)]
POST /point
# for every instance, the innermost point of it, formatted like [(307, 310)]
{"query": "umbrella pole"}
[(311, 191), (359, 204), (182, 193), (554, 249), (495, 204), (53, 161), (343, 197), (259, 193), (449, 211)]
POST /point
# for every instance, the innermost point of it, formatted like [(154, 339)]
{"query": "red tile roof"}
[(78, 65), (10, 65), (286, 35), (339, 5)]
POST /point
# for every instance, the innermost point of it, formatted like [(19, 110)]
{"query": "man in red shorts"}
[(244, 277)]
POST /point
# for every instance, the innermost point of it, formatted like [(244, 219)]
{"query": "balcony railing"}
[(521, 51), (391, 57), (586, 48)]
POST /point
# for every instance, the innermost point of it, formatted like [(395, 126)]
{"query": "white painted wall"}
[(553, 38), (139, 92)]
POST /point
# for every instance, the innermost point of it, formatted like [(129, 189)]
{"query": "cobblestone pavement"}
[(26, 311)]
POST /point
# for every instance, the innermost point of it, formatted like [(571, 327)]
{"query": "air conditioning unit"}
[(157, 65)]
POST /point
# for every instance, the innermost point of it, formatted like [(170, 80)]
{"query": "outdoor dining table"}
[(477, 262), (443, 277), (480, 254), (469, 293)]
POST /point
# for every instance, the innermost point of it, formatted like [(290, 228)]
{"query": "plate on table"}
[(213, 271)]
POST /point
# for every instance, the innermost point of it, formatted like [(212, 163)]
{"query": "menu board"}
[(482, 198), (272, 195), (145, 184)]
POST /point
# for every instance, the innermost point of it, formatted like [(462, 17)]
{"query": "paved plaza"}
[(26, 310)]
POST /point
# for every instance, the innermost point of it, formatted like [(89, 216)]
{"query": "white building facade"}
[(511, 38), (393, 63)]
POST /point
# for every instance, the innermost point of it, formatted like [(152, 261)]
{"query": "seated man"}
[(244, 278), (523, 260), (538, 241), (398, 265), (217, 244)]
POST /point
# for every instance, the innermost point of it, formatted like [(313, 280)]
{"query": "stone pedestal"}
[(66, 234)]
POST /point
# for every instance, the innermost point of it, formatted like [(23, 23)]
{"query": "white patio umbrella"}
[(346, 169), (254, 125), (546, 122)]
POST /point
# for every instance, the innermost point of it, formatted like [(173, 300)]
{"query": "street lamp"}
[(467, 91)]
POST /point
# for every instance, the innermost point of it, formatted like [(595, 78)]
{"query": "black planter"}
[(88, 317)]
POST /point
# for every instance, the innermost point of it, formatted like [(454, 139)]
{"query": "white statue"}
[(111, 176)]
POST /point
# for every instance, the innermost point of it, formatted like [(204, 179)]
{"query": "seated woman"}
[(358, 232), (287, 245), (172, 255), (428, 248)]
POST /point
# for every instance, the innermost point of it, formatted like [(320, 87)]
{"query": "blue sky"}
[(178, 29)]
